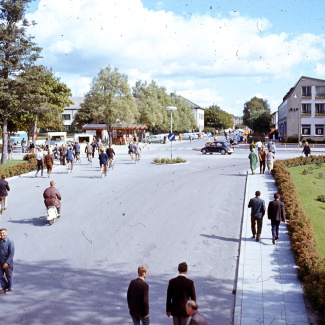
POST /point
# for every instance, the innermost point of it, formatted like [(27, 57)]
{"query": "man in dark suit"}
[(276, 213), (180, 290), (138, 298), (257, 206), (196, 317)]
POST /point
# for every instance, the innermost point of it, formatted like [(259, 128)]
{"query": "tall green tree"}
[(17, 51), (257, 115), (215, 117), (42, 98), (110, 100)]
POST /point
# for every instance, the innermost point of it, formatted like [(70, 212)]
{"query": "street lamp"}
[(299, 119), (171, 109)]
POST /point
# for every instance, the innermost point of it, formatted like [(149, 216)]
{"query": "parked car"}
[(218, 146), (156, 139)]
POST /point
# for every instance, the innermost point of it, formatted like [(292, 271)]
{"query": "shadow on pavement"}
[(37, 222), (221, 238), (53, 292)]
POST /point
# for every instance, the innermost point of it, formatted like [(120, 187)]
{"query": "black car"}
[(218, 146)]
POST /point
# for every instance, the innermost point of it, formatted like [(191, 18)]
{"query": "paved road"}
[(78, 270)]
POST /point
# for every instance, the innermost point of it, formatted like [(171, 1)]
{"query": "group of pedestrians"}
[(180, 302), (275, 212), (263, 156)]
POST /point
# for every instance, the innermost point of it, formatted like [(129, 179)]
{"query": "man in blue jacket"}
[(7, 251), (257, 206)]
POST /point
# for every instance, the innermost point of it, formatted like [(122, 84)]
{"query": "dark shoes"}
[(258, 238), (273, 240), (253, 236)]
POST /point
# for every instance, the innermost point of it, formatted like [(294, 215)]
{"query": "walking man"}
[(39, 159), (180, 290), (138, 298), (306, 150), (257, 206), (4, 189), (7, 251), (49, 161), (262, 155), (276, 213), (196, 317)]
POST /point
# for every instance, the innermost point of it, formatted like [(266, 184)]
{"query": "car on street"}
[(155, 139), (218, 146)]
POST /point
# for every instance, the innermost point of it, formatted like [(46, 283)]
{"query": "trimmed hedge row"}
[(311, 265), (22, 168)]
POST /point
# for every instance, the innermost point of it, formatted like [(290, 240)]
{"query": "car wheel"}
[(223, 151), (204, 151)]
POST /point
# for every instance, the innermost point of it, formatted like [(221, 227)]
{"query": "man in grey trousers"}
[(257, 206)]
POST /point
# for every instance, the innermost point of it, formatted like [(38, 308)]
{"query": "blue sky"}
[(211, 52)]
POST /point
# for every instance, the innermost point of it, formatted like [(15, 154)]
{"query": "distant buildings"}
[(70, 112), (303, 110)]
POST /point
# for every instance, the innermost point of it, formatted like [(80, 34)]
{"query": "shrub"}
[(177, 160), (311, 265)]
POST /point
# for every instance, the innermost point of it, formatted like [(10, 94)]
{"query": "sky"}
[(210, 52)]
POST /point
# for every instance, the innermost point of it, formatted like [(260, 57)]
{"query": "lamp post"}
[(171, 109), (299, 119)]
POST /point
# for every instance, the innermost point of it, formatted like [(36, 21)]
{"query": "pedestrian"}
[(23, 145), (31, 147), (93, 145), (257, 206), (10, 150), (269, 160), (180, 138), (4, 189), (190, 137), (253, 159), (180, 290), (273, 147), (70, 157), (276, 213), (39, 159), (7, 251), (49, 161), (262, 157), (121, 141), (306, 149), (138, 298), (196, 317), (252, 146), (259, 145)]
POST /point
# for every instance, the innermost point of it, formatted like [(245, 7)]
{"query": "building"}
[(274, 121), (303, 110), (71, 111), (198, 114), (122, 130)]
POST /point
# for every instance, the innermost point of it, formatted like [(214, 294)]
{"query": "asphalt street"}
[(77, 271)]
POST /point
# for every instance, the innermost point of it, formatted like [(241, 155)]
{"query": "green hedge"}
[(22, 168), (311, 265)]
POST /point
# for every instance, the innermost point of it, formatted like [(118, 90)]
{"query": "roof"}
[(117, 126), (193, 105), (77, 102)]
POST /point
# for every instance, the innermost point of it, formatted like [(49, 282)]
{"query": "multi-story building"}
[(71, 111), (303, 110)]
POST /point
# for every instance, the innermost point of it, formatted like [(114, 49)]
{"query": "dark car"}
[(218, 146)]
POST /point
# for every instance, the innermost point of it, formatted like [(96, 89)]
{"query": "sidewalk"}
[(268, 291)]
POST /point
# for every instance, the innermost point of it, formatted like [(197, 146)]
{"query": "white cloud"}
[(81, 36)]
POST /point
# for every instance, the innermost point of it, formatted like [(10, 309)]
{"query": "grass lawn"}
[(11, 162), (309, 187)]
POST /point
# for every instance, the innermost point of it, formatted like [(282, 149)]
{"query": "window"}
[(66, 117), (305, 129), (306, 91), (319, 129), (306, 109), (320, 92), (319, 109)]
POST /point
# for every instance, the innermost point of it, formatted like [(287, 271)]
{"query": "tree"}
[(42, 98), (257, 115), (17, 51), (216, 118), (110, 100)]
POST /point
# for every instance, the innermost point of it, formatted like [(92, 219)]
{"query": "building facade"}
[(302, 111), (198, 113), (70, 112)]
